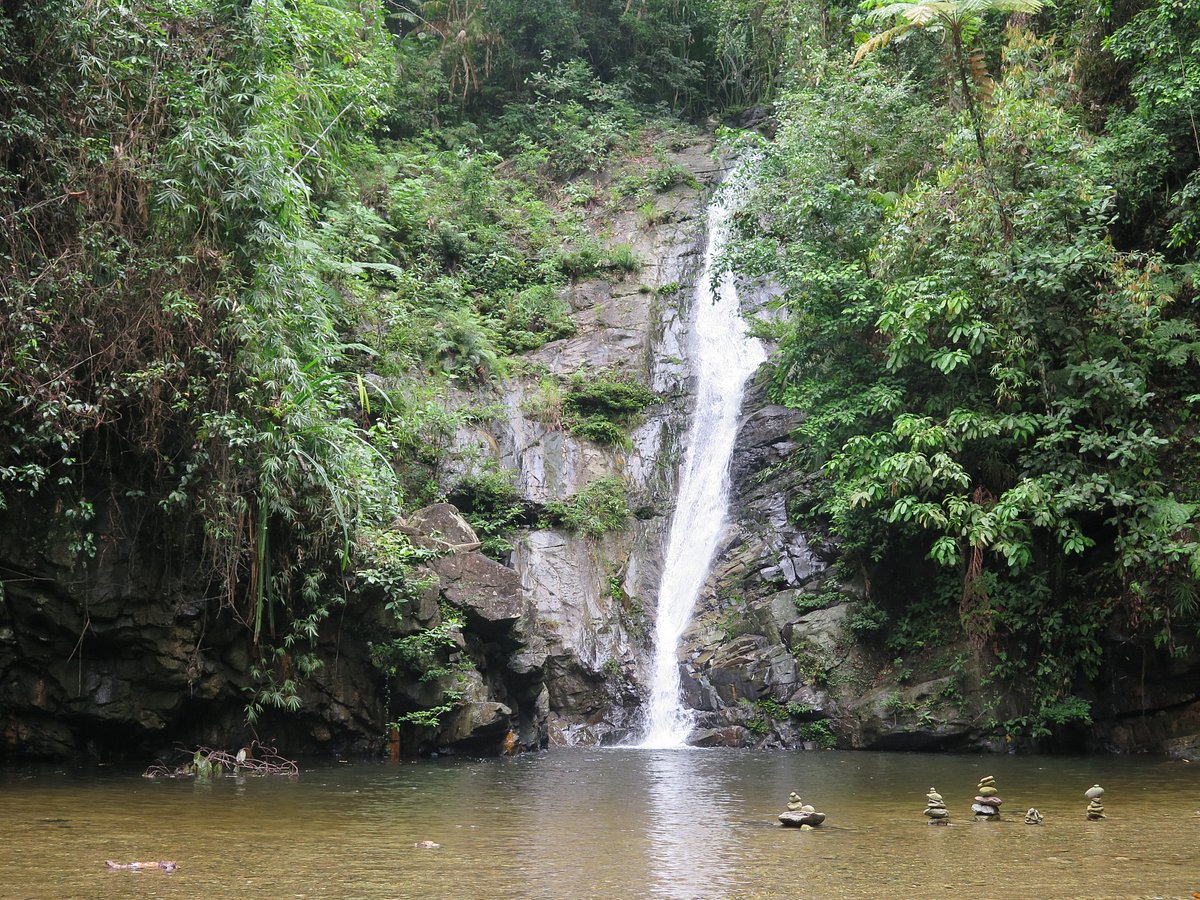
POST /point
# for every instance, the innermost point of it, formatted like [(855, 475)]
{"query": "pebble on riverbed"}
[(987, 804), (427, 845), (935, 808)]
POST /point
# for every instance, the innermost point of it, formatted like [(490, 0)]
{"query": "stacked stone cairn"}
[(1095, 810), (987, 803), (1033, 817), (800, 815), (935, 808)]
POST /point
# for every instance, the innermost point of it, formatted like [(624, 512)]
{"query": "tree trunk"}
[(960, 59)]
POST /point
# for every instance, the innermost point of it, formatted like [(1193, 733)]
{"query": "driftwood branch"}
[(203, 762)]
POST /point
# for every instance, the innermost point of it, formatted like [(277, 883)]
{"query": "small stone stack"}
[(987, 804), (1095, 810), (935, 808), (1033, 817), (800, 815)]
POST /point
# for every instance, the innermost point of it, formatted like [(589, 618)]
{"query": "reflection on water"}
[(687, 830), (610, 823)]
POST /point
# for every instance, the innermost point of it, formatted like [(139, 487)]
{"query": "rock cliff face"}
[(592, 597), (781, 651), (127, 654)]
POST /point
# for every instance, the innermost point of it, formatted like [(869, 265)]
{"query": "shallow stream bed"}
[(612, 824)]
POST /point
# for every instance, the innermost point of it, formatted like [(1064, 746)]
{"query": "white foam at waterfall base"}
[(723, 357)]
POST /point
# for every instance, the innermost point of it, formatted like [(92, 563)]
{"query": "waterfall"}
[(723, 357)]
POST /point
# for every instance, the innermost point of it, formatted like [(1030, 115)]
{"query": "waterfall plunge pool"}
[(611, 823)]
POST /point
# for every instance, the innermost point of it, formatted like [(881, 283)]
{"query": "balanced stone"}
[(800, 814), (987, 803), (1095, 809), (1033, 817), (1094, 792), (935, 809)]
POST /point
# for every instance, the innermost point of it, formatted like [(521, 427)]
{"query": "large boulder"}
[(442, 527), (488, 592)]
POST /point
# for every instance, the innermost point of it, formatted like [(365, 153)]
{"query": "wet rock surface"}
[(592, 598)]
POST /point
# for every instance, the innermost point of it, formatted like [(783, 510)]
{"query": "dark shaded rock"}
[(729, 736)]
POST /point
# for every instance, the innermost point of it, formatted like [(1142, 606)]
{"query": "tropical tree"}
[(959, 21)]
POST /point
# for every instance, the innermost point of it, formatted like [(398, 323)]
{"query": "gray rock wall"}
[(593, 597)]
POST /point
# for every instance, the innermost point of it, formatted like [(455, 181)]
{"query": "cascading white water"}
[(724, 356)]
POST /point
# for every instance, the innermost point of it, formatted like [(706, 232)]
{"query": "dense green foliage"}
[(991, 324), (253, 254), (250, 248)]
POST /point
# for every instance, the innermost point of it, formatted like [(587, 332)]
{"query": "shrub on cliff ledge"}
[(601, 407), (600, 507)]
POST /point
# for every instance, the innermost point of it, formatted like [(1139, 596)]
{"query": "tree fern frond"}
[(920, 13), (977, 66), (978, 7), (879, 41)]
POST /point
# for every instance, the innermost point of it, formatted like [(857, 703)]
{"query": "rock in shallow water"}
[(796, 819)]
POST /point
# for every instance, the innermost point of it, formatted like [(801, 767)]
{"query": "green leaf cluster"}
[(1014, 404)]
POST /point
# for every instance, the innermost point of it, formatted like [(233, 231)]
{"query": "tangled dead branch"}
[(204, 762)]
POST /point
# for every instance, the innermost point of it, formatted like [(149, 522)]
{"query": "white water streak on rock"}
[(724, 356)]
